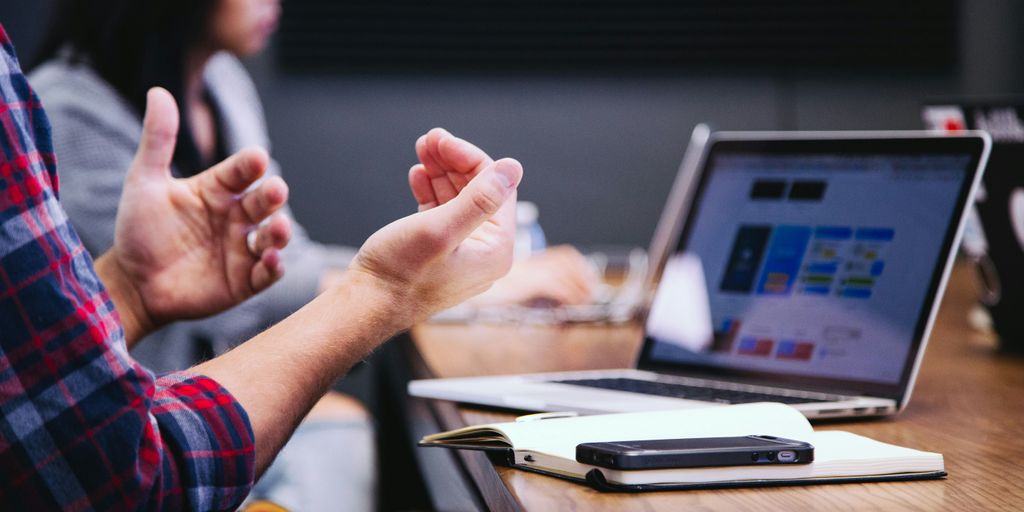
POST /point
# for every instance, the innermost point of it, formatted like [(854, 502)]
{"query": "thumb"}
[(159, 133), (484, 198)]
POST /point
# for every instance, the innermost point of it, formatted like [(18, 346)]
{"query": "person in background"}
[(83, 426), (95, 66)]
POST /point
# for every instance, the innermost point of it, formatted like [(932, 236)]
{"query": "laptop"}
[(796, 267)]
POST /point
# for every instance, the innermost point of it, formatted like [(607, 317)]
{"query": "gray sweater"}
[(95, 135)]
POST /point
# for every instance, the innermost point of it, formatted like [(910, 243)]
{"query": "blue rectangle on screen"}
[(822, 268), (832, 232), (727, 325), (857, 293), (816, 290), (877, 267), (747, 251), (782, 264), (875, 234)]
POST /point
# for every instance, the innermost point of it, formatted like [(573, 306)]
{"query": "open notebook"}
[(549, 446)]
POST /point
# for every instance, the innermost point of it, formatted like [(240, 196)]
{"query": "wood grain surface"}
[(968, 405)]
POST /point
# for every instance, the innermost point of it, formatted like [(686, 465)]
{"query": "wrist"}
[(383, 302), (135, 318), (330, 278)]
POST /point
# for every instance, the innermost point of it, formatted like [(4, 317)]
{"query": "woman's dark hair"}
[(134, 45)]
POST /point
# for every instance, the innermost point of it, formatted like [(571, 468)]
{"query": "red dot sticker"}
[(954, 125)]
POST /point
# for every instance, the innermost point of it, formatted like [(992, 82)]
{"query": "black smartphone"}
[(695, 452)]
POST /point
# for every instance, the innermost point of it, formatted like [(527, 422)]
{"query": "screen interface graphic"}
[(814, 265)]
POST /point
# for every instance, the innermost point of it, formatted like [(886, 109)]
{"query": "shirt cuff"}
[(214, 445)]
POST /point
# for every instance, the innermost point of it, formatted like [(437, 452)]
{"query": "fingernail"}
[(506, 173)]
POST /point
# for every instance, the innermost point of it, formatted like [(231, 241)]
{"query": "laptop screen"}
[(818, 264)]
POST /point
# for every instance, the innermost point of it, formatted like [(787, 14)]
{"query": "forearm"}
[(137, 323), (278, 375)]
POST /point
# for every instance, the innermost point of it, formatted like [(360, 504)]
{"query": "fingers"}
[(444, 189), (441, 152), (579, 272), (460, 156), (159, 134), (564, 290), (577, 291), (449, 162), (556, 288), (485, 198), (274, 234), (426, 153), (237, 172), (266, 199), (269, 240), (559, 274), (266, 271), (422, 190)]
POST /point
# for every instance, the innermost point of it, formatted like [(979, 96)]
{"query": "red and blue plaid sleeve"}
[(82, 425)]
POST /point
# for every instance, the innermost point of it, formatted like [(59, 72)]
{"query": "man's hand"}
[(557, 276), (560, 275), (459, 242), (180, 245)]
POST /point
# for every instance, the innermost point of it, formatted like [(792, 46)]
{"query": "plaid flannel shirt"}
[(82, 425)]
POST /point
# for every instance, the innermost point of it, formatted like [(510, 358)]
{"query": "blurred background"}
[(596, 97)]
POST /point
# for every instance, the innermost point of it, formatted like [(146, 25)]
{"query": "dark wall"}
[(24, 21), (600, 152)]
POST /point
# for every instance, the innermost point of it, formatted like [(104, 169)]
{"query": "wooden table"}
[(968, 405)]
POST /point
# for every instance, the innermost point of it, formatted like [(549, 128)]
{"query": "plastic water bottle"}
[(529, 235)]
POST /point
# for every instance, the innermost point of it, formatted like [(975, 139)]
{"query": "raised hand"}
[(559, 276), (462, 238), (180, 245)]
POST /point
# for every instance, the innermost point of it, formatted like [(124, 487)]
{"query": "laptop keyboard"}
[(708, 394)]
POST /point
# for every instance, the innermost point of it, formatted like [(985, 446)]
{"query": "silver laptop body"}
[(799, 267)]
